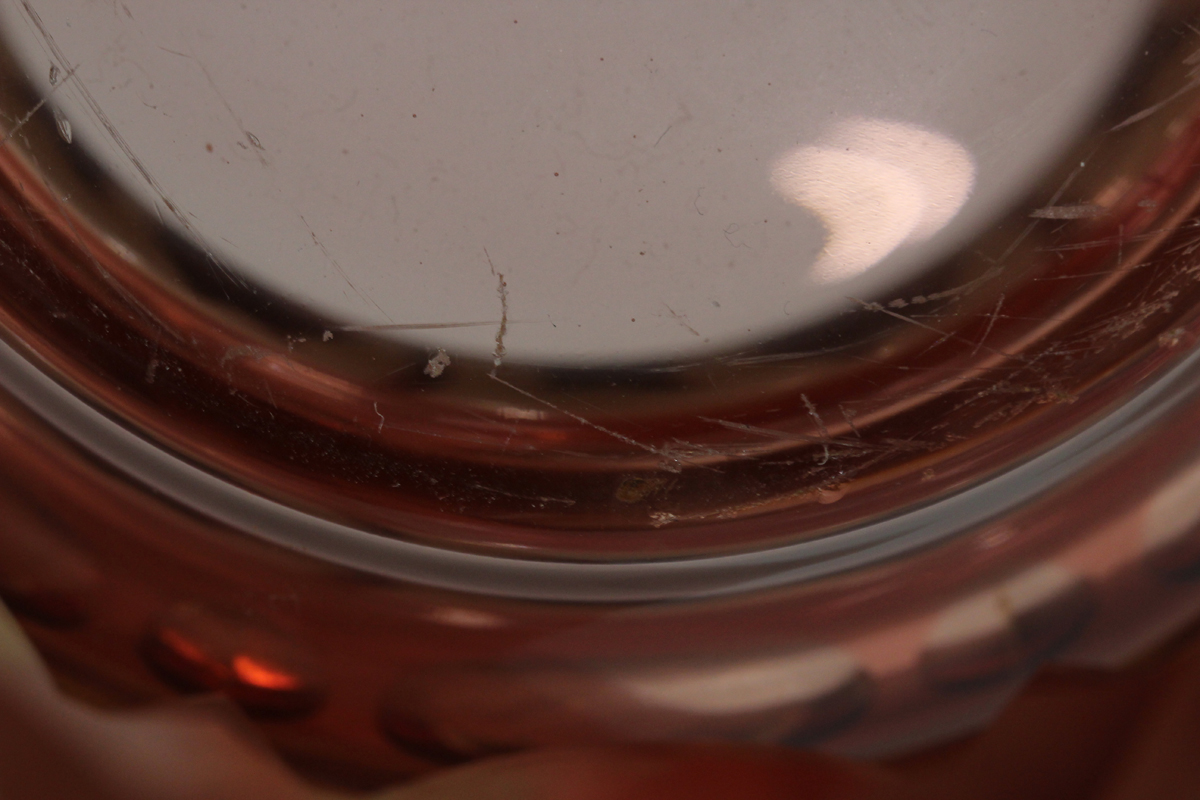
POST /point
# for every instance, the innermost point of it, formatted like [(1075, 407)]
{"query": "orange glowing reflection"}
[(260, 674)]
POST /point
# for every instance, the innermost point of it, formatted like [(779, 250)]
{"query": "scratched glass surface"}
[(476, 332), (656, 273), (619, 185)]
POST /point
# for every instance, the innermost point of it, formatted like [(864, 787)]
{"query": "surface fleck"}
[(437, 364), (64, 126)]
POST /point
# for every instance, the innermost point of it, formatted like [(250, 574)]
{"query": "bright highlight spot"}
[(745, 687), (263, 675), (876, 185)]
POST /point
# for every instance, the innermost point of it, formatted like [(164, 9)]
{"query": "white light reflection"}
[(746, 687), (876, 184)]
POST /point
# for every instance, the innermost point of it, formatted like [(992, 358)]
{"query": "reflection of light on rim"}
[(876, 185), (751, 686)]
